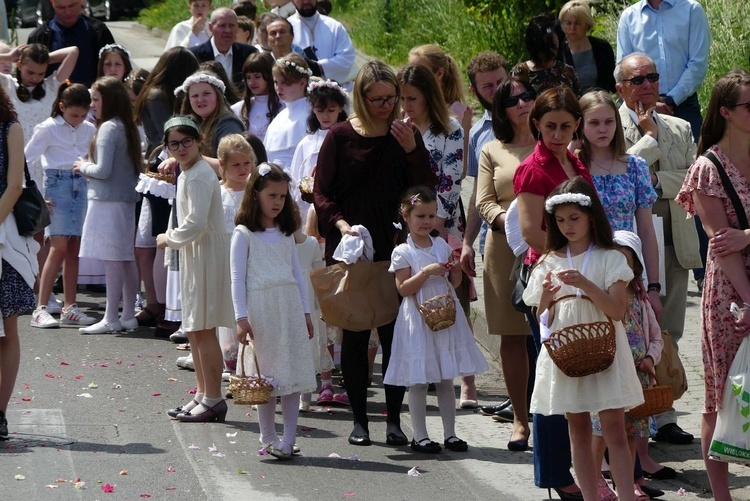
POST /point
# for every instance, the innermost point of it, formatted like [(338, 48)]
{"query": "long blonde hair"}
[(451, 84)]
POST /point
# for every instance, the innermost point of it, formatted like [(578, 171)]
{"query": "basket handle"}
[(414, 296), (242, 360)]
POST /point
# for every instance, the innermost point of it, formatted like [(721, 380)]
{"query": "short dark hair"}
[(246, 8), (484, 62), (249, 214), (501, 126), (556, 98), (539, 37)]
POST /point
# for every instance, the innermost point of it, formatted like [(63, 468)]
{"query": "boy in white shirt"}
[(194, 31)]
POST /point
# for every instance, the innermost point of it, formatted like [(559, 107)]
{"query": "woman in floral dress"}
[(726, 134)]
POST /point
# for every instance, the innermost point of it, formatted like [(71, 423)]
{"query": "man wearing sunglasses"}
[(675, 34), (666, 143)]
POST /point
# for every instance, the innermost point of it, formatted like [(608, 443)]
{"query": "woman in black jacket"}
[(593, 58)]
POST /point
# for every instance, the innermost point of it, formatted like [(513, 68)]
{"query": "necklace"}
[(611, 165), (311, 30)]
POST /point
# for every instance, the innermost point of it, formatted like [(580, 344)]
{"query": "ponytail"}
[(70, 95)]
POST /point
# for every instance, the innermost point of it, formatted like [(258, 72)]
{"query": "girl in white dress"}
[(270, 301), (290, 78), (203, 241), (419, 355), (237, 161), (260, 103), (581, 260), (328, 101)]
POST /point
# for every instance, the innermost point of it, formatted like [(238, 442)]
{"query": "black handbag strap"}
[(7, 160), (729, 188)]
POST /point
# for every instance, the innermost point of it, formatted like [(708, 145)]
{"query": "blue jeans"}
[(552, 458)]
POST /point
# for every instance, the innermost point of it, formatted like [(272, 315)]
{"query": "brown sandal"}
[(147, 317)]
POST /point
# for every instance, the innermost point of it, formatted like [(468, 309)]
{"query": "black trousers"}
[(355, 370)]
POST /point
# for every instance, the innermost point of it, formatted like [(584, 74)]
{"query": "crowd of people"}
[(255, 152)]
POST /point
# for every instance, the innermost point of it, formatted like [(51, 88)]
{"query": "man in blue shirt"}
[(675, 34), (486, 72), (69, 28)]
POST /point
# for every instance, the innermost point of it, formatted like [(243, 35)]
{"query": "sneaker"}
[(74, 316), (178, 336), (186, 362), (53, 305), (43, 320)]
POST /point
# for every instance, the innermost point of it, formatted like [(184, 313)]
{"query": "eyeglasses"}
[(746, 104), (185, 143), (511, 101), (382, 103), (651, 77), (569, 24)]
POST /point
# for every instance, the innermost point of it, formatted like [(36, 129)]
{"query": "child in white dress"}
[(419, 355), (237, 161), (581, 259), (203, 241), (270, 301), (328, 101), (290, 77), (260, 103)]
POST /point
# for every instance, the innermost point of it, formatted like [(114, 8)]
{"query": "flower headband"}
[(264, 169), (112, 46), (320, 83), (200, 77), (566, 198), (296, 67), (133, 77)]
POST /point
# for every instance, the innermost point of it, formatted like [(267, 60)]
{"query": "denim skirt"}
[(68, 193)]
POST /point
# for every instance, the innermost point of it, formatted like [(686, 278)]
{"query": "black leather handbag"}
[(31, 211)]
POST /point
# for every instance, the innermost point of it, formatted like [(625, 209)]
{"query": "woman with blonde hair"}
[(592, 57), (364, 166)]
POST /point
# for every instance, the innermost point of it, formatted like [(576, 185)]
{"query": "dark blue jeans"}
[(552, 459)]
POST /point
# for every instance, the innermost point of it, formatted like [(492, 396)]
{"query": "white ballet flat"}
[(101, 328)]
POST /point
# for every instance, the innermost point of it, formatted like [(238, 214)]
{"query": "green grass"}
[(387, 29)]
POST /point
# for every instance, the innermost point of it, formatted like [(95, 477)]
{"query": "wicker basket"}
[(249, 390), (438, 312), (582, 349), (657, 399), (169, 178)]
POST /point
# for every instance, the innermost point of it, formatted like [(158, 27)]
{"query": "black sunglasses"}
[(511, 101), (651, 77)]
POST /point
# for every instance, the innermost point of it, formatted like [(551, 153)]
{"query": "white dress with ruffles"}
[(419, 355)]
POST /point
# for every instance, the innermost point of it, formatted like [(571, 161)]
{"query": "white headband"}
[(318, 84), (296, 67), (111, 46), (264, 169), (200, 77), (566, 198)]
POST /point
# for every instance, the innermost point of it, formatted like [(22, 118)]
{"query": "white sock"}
[(326, 382), (290, 413), (418, 410), (210, 402), (191, 405), (267, 421), (446, 397), (129, 289)]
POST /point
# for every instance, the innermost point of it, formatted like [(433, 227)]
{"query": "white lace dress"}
[(419, 355), (618, 386), (276, 314)]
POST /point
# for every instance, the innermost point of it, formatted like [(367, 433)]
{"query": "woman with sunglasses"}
[(364, 166), (497, 165)]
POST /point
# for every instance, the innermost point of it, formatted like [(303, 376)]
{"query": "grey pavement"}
[(93, 408)]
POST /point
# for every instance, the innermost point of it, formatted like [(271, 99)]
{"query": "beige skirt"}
[(502, 318)]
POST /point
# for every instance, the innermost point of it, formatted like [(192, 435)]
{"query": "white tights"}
[(122, 282), (267, 419), (446, 397)]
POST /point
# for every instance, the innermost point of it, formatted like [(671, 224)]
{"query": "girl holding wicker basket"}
[(270, 301), (579, 290), (432, 340)]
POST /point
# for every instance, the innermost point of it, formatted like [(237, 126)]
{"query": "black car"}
[(109, 10), (30, 12)]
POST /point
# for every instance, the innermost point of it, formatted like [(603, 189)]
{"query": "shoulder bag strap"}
[(26, 174), (729, 188)]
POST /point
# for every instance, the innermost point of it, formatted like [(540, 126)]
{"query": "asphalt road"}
[(92, 409)]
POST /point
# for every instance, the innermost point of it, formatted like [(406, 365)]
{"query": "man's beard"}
[(307, 11), (485, 104)]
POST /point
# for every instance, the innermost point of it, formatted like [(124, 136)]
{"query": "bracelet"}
[(654, 287), (745, 306)]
